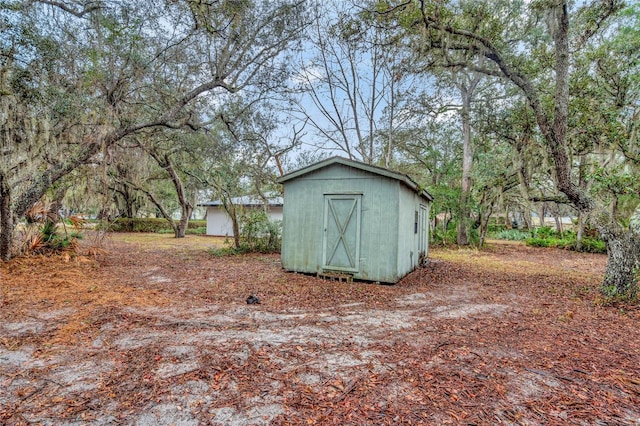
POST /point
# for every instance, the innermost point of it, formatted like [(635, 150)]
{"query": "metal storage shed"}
[(352, 218)]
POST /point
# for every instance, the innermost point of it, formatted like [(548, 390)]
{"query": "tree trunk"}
[(183, 224), (466, 93), (523, 180), (6, 221), (231, 210), (484, 223), (580, 231), (556, 218), (623, 262), (186, 207), (526, 218), (161, 210), (621, 275), (181, 229), (129, 202), (236, 228), (465, 188), (392, 107), (543, 213)]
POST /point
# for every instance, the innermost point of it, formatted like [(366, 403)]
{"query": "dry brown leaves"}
[(510, 335)]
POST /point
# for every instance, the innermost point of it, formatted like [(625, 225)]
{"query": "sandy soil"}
[(157, 332)]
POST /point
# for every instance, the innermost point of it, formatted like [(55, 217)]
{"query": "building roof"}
[(403, 178), (249, 201)]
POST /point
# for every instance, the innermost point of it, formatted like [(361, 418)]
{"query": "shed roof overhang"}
[(403, 178)]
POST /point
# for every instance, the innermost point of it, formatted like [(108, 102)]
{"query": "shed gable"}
[(351, 169)]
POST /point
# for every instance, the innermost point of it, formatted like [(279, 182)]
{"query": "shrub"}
[(589, 245), (443, 237), (258, 234), (200, 230), (197, 224), (126, 224), (147, 224), (496, 228), (541, 242), (190, 230), (543, 232), (450, 236), (593, 245), (55, 241), (46, 232), (227, 251), (513, 235)]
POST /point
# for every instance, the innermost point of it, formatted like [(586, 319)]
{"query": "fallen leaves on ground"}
[(161, 334)]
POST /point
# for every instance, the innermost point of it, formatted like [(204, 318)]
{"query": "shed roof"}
[(403, 178), (249, 201)]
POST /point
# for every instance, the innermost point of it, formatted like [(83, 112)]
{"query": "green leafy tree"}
[(83, 77), (533, 48)]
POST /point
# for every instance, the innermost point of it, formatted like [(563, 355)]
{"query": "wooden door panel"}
[(341, 242)]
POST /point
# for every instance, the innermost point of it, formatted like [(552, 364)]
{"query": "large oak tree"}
[(534, 47), (77, 77)]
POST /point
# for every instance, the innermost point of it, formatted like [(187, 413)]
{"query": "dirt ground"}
[(156, 331)]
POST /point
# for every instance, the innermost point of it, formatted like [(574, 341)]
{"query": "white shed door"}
[(341, 242)]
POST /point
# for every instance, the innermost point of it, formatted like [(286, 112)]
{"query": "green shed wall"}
[(386, 230), (408, 239)]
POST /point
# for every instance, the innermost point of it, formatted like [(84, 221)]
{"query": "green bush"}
[(543, 232), (200, 230), (149, 224), (441, 237), (125, 224), (450, 235), (542, 242), (190, 231), (228, 251), (258, 234), (589, 245), (593, 245), (512, 235), (197, 224), (496, 228)]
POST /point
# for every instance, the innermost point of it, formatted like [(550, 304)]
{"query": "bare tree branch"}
[(77, 13)]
